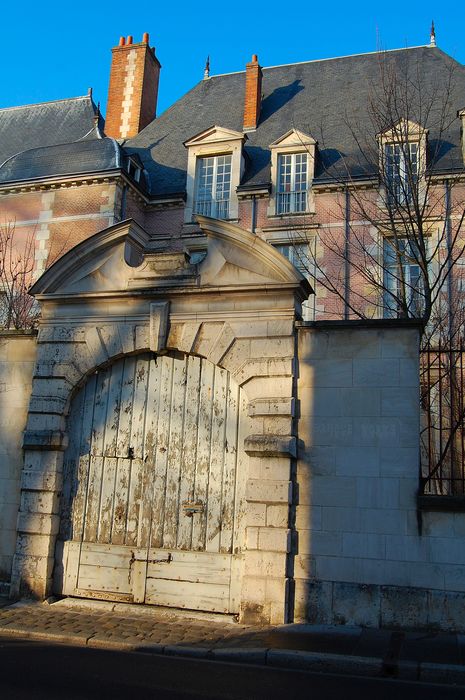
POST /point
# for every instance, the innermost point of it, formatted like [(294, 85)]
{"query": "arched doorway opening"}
[(154, 481)]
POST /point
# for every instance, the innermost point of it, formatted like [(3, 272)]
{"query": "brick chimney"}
[(253, 94), (133, 91)]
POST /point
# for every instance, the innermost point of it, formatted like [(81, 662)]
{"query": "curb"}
[(315, 662)]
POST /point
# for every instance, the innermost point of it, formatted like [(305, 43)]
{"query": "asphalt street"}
[(36, 671)]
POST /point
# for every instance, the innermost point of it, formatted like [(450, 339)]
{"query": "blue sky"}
[(50, 50)]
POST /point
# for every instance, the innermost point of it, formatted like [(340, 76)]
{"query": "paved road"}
[(36, 671)]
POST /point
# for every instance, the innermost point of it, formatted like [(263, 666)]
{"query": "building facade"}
[(206, 424)]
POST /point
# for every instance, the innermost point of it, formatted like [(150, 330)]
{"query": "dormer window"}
[(402, 163), (215, 165), (292, 168), (133, 169), (213, 186), (292, 183)]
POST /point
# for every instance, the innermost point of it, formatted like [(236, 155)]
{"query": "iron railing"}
[(291, 202), (216, 208), (442, 376)]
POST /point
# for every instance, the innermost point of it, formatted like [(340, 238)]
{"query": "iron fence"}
[(442, 369)]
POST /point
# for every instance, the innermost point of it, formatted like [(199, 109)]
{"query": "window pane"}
[(292, 183), (213, 186)]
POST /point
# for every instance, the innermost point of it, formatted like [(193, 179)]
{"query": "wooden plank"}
[(83, 454), (139, 405), (99, 418), (104, 595), (112, 559), (196, 568), (176, 418), (71, 566), (199, 521), (229, 469), (215, 480), (94, 487), (137, 486), (189, 452), (129, 490), (146, 472), (121, 497), (71, 464), (113, 409), (138, 580), (104, 578), (185, 594), (157, 507), (107, 499), (237, 570), (127, 397)]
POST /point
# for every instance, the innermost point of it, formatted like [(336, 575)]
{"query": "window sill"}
[(450, 504), (290, 214)]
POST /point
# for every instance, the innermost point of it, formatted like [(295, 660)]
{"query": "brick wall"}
[(59, 218)]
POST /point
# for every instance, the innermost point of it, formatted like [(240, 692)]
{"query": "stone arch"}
[(237, 318)]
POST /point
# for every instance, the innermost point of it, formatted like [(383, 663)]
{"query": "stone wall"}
[(365, 553), (17, 358)]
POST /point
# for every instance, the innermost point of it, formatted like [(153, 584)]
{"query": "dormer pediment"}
[(404, 130), (215, 134), (293, 138)]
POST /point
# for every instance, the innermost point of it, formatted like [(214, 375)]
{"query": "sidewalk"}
[(434, 657)]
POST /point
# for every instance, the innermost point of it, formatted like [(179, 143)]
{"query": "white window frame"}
[(292, 143), (397, 162), (295, 199), (403, 135), (217, 208), (299, 255), (213, 142), (411, 273)]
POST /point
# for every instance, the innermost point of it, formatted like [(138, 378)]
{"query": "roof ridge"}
[(47, 102), (331, 58)]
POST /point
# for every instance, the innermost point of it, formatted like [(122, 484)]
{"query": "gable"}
[(215, 134)]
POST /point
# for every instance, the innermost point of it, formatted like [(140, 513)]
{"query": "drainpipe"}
[(450, 287), (347, 255), (254, 213), (123, 202)]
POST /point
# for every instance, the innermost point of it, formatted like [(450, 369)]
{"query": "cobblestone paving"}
[(111, 629)]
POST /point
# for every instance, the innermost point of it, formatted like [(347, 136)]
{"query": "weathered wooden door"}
[(153, 485)]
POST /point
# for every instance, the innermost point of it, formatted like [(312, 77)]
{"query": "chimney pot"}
[(145, 38), (129, 40), (254, 58), (122, 41)]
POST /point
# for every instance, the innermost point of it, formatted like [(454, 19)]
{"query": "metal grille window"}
[(213, 186), (292, 183), (402, 279), (401, 162)]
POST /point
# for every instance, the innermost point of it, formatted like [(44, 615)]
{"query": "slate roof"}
[(53, 138), (86, 156), (325, 99)]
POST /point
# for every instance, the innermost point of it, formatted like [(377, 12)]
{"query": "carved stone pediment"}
[(103, 262), (120, 259), (239, 258), (164, 269)]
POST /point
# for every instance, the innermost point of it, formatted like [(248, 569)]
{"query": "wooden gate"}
[(153, 485)]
